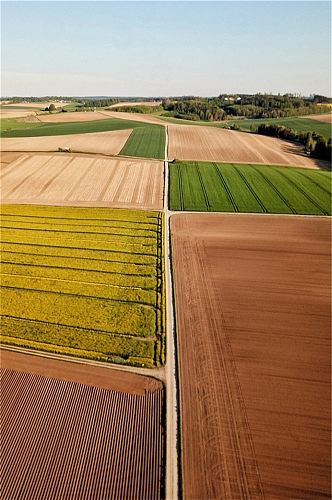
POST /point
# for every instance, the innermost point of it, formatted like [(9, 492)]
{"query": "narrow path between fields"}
[(172, 431), (168, 374)]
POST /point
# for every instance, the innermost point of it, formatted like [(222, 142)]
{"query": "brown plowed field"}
[(77, 181), (252, 296), (62, 439), (190, 142), (109, 143)]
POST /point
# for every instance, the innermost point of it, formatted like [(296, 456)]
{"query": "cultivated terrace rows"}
[(79, 435)]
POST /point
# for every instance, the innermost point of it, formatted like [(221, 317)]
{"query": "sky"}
[(154, 48)]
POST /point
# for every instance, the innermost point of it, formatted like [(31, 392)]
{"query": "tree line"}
[(146, 110), (96, 103), (315, 144), (224, 106)]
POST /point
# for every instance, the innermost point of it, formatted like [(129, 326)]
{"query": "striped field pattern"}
[(231, 187), (84, 282), (65, 440)]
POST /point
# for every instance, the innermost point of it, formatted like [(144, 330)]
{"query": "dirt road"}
[(172, 410)]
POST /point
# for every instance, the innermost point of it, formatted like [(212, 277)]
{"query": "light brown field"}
[(190, 142), (326, 117), (137, 117), (80, 116), (77, 116), (252, 297), (37, 105), (73, 431), (71, 180), (15, 113), (151, 104), (108, 143), (8, 157)]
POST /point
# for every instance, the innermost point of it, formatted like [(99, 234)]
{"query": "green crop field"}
[(147, 141), (220, 187), (81, 281), (11, 127)]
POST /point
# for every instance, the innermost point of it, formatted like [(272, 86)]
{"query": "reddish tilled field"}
[(252, 296), (66, 440)]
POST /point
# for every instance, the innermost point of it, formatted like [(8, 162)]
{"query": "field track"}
[(325, 117), (109, 143), (188, 142), (77, 181), (76, 435), (252, 297)]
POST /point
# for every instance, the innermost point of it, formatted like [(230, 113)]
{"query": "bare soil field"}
[(109, 143), (15, 113), (78, 432), (94, 376), (138, 117), (252, 297), (326, 117), (71, 180), (189, 142), (77, 116)]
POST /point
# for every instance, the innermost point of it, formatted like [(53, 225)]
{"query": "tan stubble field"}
[(108, 143), (71, 180)]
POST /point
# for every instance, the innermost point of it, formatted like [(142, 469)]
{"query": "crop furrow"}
[(226, 188)]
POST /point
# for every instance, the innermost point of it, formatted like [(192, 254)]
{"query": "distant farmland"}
[(219, 187), (146, 140), (15, 128), (298, 124), (85, 282)]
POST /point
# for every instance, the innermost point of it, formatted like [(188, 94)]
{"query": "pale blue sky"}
[(165, 48)]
